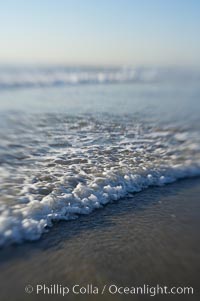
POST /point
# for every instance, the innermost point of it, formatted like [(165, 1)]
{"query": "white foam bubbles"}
[(101, 160)]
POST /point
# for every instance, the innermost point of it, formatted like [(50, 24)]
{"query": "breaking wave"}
[(42, 77)]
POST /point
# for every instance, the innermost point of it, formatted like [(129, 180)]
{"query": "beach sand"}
[(149, 238)]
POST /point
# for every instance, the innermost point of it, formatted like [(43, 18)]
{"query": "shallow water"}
[(67, 150)]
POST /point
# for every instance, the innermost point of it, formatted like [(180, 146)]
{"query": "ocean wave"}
[(56, 167), (42, 77)]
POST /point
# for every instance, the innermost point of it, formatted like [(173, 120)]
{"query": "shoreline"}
[(151, 236)]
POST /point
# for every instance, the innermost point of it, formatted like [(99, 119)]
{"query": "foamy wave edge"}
[(19, 224)]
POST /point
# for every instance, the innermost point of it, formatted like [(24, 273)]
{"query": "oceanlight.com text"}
[(112, 289)]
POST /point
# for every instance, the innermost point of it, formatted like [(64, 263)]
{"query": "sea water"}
[(73, 140)]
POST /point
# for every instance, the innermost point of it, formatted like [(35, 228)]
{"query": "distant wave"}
[(42, 77)]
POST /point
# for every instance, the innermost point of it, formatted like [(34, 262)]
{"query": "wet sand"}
[(149, 238)]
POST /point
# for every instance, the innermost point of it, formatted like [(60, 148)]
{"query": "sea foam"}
[(57, 167)]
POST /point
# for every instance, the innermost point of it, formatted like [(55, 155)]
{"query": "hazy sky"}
[(96, 32)]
